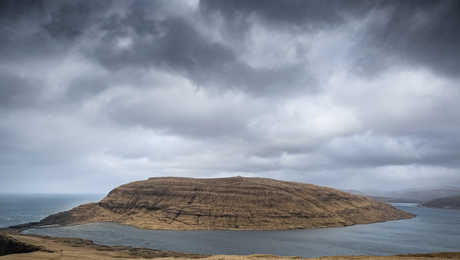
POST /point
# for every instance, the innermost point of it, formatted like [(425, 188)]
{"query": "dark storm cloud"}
[(168, 42), (62, 19), (423, 32), (420, 33), (72, 18), (14, 10), (344, 93), (309, 14), (41, 31), (174, 44)]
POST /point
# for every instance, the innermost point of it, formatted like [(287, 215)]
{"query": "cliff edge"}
[(237, 203)]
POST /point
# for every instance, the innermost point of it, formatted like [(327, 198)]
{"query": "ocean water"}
[(433, 230), (22, 208)]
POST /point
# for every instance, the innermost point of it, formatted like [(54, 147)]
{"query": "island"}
[(235, 203)]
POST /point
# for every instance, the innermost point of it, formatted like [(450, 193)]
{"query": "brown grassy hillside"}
[(229, 203), (73, 248)]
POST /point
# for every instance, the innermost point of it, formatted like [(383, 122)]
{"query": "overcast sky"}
[(349, 94)]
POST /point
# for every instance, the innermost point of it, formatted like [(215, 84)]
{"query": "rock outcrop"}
[(9, 245), (228, 203)]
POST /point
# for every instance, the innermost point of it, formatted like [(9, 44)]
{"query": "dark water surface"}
[(433, 230), (22, 208)]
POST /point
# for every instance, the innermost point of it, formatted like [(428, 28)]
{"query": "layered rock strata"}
[(228, 203)]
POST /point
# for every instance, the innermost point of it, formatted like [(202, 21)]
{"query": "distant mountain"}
[(356, 192), (445, 203), (395, 200), (229, 203), (383, 198), (425, 194)]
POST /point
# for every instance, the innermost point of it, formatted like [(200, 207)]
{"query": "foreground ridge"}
[(237, 203), (74, 248)]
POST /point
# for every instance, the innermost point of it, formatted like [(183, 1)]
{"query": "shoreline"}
[(51, 245), (47, 247), (120, 250), (36, 225)]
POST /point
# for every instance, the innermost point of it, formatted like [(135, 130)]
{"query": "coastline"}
[(67, 248), (167, 203), (52, 244), (75, 248), (38, 225)]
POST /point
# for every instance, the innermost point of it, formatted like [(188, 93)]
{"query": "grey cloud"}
[(305, 14), (86, 86), (207, 117), (165, 41), (71, 19), (17, 91), (39, 31), (423, 33), (359, 151), (174, 44), (14, 10), (104, 92)]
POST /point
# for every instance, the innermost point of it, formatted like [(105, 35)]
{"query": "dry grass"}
[(229, 203), (72, 249)]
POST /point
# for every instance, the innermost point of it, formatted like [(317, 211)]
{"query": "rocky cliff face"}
[(228, 203)]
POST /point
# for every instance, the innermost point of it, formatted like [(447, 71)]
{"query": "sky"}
[(349, 94)]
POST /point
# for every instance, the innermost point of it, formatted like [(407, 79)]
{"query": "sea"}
[(432, 230), (23, 208)]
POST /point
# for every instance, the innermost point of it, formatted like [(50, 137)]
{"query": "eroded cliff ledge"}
[(228, 203)]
